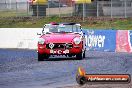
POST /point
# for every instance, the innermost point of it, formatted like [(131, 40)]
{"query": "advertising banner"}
[(96, 40), (100, 40), (123, 41), (82, 1)]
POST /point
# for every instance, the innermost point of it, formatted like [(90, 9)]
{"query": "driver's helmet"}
[(53, 23), (53, 27)]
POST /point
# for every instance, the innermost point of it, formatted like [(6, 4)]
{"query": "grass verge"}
[(90, 22)]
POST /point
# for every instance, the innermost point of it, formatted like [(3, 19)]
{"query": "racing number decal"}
[(59, 51)]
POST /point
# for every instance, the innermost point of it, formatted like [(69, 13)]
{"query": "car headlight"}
[(77, 40), (41, 41)]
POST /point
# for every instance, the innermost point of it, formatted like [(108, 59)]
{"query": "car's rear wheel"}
[(42, 57)]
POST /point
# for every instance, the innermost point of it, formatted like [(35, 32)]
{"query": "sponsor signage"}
[(82, 78), (38, 1), (100, 40), (123, 41), (82, 1)]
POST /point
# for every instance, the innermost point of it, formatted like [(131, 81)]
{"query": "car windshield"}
[(52, 28), (63, 28), (68, 28)]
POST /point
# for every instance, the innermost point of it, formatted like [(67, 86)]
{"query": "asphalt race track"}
[(20, 69)]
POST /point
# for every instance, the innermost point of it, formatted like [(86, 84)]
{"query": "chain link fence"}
[(113, 9)]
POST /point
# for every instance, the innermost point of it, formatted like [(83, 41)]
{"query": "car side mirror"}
[(38, 33), (43, 27), (82, 32)]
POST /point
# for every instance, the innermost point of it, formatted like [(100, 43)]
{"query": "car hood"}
[(60, 37)]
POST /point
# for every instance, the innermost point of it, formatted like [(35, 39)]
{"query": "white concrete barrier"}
[(25, 38)]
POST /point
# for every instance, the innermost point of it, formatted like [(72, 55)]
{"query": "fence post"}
[(16, 9), (37, 10), (27, 8), (72, 9), (48, 9), (10, 4), (83, 12), (5, 4), (97, 8), (111, 9), (59, 9), (125, 8)]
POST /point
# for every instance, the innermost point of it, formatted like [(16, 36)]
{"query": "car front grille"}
[(59, 46)]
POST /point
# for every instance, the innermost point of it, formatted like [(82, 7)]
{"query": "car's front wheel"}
[(84, 55), (70, 55), (79, 56), (42, 57)]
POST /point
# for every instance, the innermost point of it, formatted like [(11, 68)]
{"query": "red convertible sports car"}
[(61, 39)]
